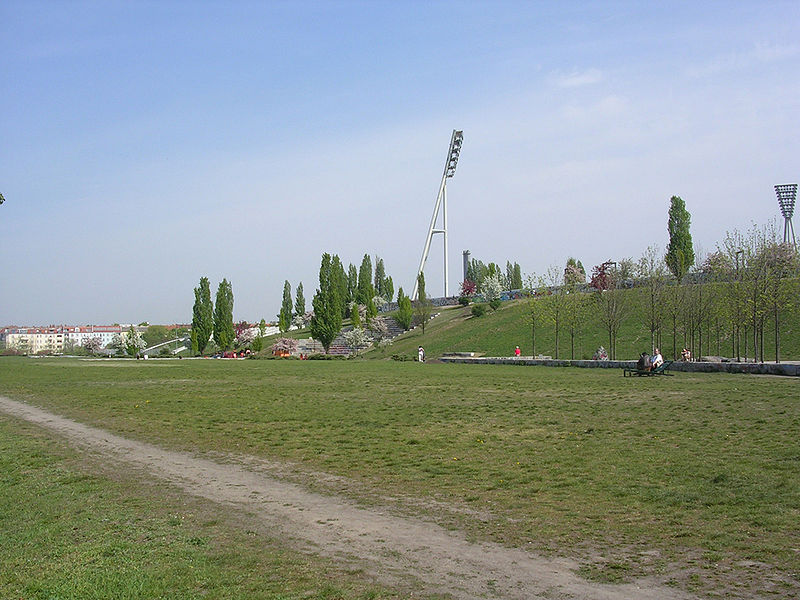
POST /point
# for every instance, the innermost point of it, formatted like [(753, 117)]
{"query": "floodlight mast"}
[(456, 140), (787, 193)]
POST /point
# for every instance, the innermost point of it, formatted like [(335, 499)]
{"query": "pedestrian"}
[(421, 354), (517, 352)]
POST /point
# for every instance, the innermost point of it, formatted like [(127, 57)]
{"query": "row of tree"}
[(341, 295), (722, 304), (292, 314), (212, 319), (480, 275)]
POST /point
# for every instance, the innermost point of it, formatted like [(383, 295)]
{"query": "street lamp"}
[(453, 152), (787, 193)]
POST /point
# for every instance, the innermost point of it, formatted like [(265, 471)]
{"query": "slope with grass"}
[(498, 332)]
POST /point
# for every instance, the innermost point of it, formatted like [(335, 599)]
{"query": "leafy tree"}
[(468, 288), (477, 272), (405, 312), (245, 335), (613, 308), (202, 316), (258, 343), (423, 308), (576, 312), (379, 330), (224, 332), (626, 269), (602, 276), (93, 344), (513, 276), (339, 278), (365, 291), (654, 280), (131, 343), (285, 316), (680, 253), (492, 287), (380, 277), (355, 317), (535, 307), (357, 338), (573, 273), (554, 305), (516, 278), (352, 284), (300, 301), (327, 320), (372, 310), (388, 289)]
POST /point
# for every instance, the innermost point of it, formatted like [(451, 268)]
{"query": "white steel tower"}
[(787, 193), (441, 200)]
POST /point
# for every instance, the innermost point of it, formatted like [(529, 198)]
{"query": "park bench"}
[(659, 370)]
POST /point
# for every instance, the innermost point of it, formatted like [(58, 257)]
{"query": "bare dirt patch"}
[(394, 549)]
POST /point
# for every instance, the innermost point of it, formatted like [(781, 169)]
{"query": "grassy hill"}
[(498, 332)]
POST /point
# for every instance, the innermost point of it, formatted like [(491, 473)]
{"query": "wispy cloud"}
[(758, 55), (578, 78)]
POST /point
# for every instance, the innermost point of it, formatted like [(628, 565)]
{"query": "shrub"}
[(495, 304), (404, 357), (463, 300), (478, 310)]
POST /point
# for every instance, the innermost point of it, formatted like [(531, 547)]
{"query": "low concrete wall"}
[(791, 369)]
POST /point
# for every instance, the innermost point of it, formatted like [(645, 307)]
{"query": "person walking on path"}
[(421, 354)]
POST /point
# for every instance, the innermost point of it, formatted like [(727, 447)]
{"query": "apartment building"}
[(55, 339)]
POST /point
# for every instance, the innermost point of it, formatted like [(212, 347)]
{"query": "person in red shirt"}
[(517, 351)]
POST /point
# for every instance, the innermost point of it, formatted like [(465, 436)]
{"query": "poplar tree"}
[(380, 277), (680, 253), (404, 310), (423, 308), (224, 332), (388, 288), (339, 278), (327, 320), (352, 284), (365, 290), (202, 316), (285, 316), (300, 301)]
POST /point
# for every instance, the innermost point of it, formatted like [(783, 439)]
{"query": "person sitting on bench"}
[(657, 360), (643, 364)]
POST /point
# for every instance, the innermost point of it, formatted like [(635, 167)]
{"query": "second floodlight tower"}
[(787, 193), (441, 201)]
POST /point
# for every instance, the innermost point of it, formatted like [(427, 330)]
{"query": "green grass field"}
[(697, 474), (67, 532)]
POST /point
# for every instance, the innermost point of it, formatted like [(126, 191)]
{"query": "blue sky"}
[(145, 145)]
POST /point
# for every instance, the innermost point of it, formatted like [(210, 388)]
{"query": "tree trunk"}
[(777, 337)]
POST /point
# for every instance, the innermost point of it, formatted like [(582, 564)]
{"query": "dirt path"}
[(391, 548)]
